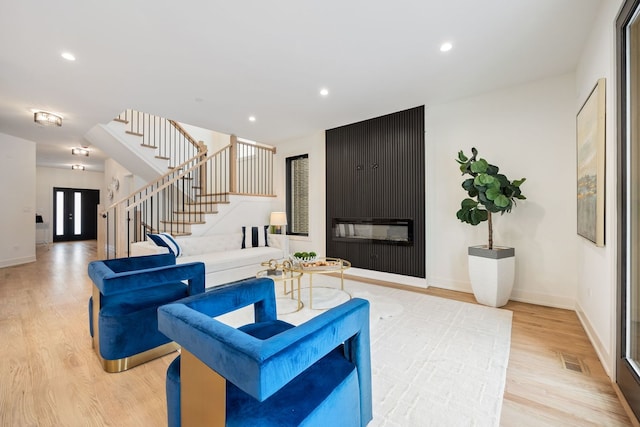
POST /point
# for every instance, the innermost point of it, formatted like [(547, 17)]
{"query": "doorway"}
[(628, 199), (75, 214)]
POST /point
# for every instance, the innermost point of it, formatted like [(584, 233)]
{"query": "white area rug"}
[(435, 362)]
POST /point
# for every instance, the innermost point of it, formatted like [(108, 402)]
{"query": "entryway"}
[(75, 213)]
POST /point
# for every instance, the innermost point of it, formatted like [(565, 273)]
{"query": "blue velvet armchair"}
[(267, 373), (127, 292)]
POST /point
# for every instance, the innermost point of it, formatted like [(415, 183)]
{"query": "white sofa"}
[(222, 255)]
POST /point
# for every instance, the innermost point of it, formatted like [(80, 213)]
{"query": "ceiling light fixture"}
[(252, 118), (324, 91), (77, 167), (45, 118), (68, 56), (77, 151), (446, 47)]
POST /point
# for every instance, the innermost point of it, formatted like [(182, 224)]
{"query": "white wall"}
[(17, 216), (215, 141), (47, 178), (528, 131), (314, 146), (596, 267)]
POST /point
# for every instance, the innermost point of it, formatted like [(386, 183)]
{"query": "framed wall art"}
[(590, 142)]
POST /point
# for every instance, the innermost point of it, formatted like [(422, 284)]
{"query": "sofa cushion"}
[(166, 240), (218, 261), (207, 244), (254, 237)]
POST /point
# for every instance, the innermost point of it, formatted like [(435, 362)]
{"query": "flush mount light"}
[(77, 167), (45, 118), (252, 118), (77, 151), (446, 47), (324, 91), (68, 56)]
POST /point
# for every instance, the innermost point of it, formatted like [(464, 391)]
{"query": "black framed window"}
[(298, 195)]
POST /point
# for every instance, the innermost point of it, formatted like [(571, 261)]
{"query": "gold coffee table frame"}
[(286, 273), (340, 265)]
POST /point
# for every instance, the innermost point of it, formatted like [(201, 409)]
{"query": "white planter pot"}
[(492, 273)]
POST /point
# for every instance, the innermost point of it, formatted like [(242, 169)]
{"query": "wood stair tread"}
[(182, 222), (206, 203)]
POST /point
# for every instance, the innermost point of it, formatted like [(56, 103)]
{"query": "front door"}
[(75, 214)]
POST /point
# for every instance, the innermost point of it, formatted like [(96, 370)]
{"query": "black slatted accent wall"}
[(375, 169)]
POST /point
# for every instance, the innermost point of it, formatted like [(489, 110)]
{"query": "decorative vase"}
[(492, 273)]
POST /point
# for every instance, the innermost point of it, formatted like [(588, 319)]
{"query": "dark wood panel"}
[(375, 169)]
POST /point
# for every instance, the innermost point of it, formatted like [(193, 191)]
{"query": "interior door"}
[(75, 213), (628, 197)]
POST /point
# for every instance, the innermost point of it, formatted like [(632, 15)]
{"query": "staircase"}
[(189, 194)]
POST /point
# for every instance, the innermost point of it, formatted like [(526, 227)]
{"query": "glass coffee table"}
[(281, 271), (321, 266)]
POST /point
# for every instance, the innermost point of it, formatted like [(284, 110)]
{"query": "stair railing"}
[(166, 136), (183, 196)]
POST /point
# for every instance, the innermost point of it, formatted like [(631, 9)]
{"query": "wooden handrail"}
[(166, 175), (185, 133), (167, 184)]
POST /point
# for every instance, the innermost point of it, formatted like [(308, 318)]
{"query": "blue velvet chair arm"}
[(235, 295), (110, 282), (120, 265), (262, 367)]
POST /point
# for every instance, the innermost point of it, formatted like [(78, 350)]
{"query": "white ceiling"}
[(212, 64)]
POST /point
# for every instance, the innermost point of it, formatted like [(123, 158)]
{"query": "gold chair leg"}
[(202, 393)]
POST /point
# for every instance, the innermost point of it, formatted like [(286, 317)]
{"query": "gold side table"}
[(321, 266), (282, 272)]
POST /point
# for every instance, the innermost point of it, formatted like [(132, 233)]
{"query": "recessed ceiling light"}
[(252, 118), (68, 56), (445, 47), (77, 167), (324, 91)]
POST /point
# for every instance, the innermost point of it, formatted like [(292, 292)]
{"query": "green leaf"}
[(467, 184), (483, 180), (461, 157), (502, 201), (468, 204), (493, 192), (518, 182), (504, 181), (492, 170), (478, 215), (491, 207), (479, 166)]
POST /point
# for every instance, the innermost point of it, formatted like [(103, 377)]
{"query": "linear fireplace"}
[(390, 231), (375, 193)]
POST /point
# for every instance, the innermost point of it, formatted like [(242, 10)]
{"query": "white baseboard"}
[(452, 285), (555, 301), (388, 277), (17, 261), (605, 357)]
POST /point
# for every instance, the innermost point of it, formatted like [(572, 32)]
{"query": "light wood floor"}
[(49, 375)]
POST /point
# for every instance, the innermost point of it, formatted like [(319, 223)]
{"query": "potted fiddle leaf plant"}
[(491, 268)]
